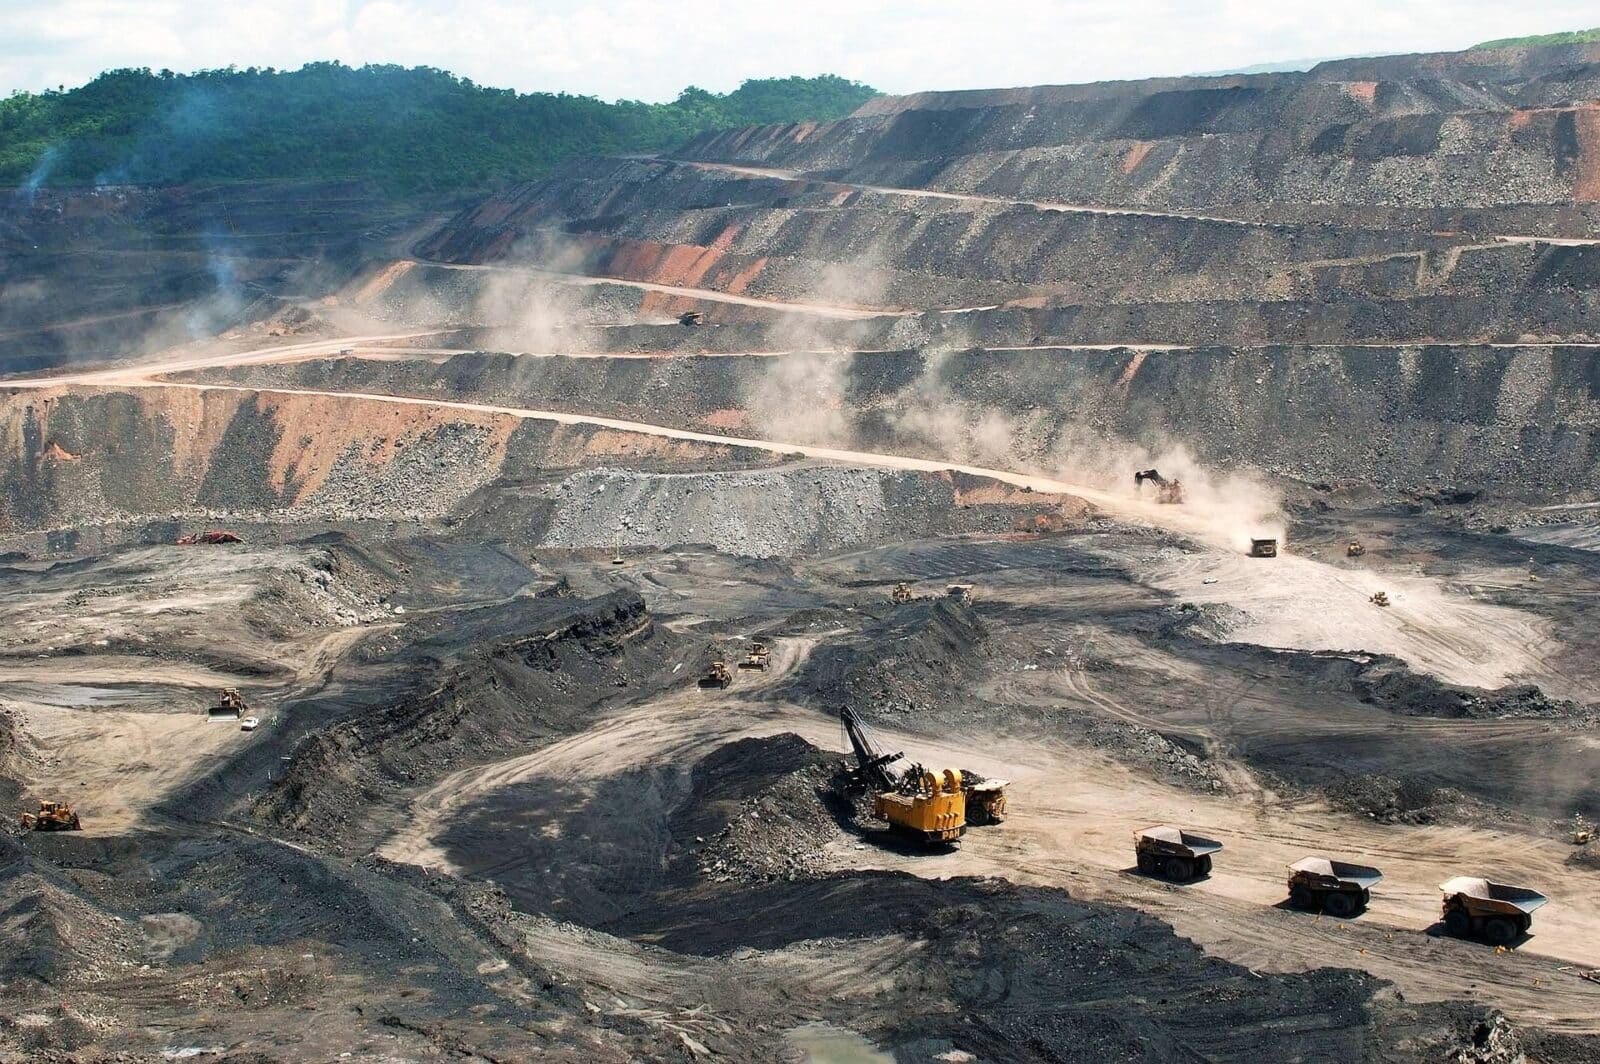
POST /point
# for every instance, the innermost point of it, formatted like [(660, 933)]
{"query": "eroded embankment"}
[(1518, 421), (86, 457), (546, 669)]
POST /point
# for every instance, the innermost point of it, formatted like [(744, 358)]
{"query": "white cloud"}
[(650, 50)]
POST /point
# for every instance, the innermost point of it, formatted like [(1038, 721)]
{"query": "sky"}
[(649, 50)]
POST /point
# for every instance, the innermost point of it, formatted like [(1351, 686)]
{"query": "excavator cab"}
[(930, 807)]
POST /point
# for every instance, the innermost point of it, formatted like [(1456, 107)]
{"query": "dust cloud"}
[(532, 313), (806, 397), (802, 397), (1229, 507)]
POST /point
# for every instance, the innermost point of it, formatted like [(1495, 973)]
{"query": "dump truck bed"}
[(1361, 876), (1494, 895), (1171, 838)]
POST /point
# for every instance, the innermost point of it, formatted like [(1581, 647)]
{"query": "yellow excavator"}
[(928, 806)]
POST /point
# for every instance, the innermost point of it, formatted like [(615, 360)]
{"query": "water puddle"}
[(823, 1043)]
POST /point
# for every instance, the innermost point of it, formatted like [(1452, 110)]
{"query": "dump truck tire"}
[(1301, 898), (1498, 931), (1179, 869), (1339, 903), (1204, 866), (1148, 864), (1458, 923)]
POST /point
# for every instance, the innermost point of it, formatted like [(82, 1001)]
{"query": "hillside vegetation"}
[(1570, 37), (408, 128)]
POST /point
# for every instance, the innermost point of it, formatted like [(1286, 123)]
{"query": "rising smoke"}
[(49, 159)]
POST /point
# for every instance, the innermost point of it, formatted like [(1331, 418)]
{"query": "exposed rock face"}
[(81, 459), (1510, 420), (1331, 275)]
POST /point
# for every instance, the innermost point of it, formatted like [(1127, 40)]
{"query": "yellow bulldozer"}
[(52, 816), (718, 675), (901, 593), (760, 656)]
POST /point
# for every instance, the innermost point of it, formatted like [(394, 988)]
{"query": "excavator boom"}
[(874, 767)]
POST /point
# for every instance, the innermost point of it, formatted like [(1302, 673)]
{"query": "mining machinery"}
[(1167, 491), (718, 675), (1337, 888), (1173, 854), (1496, 913), (52, 816), (230, 705), (760, 656), (927, 806)]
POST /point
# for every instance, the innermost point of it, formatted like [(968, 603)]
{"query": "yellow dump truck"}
[(1497, 914), (1337, 888), (1173, 854)]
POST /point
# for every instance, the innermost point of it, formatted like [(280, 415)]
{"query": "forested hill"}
[(408, 128)]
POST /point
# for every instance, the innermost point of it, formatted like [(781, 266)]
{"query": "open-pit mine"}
[(379, 674)]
